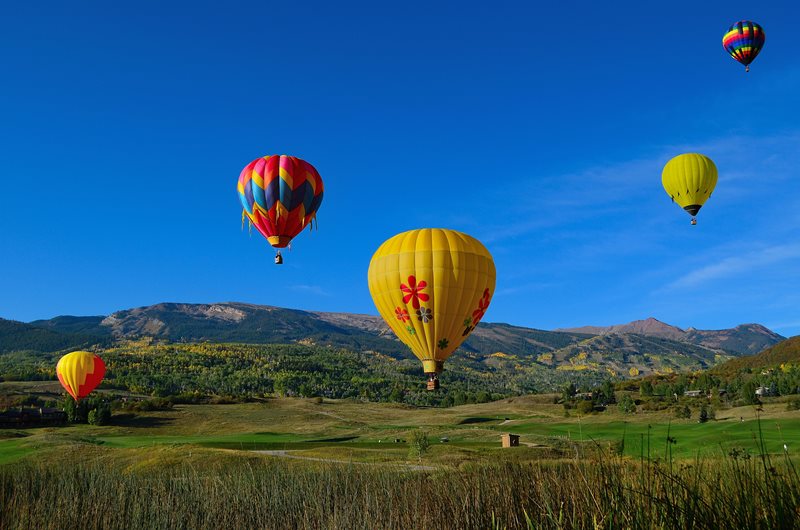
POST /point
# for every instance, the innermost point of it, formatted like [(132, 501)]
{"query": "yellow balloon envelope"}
[(689, 180), (432, 286)]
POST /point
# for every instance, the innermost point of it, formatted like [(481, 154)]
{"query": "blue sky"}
[(540, 130)]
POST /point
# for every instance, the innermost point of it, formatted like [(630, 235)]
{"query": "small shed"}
[(510, 440)]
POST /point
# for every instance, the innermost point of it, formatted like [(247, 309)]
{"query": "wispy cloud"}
[(310, 289), (748, 165), (737, 265), (554, 200)]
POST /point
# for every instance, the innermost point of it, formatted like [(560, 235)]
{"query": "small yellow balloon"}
[(80, 372), (689, 179), (432, 286)]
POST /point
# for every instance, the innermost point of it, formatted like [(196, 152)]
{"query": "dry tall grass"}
[(736, 492)]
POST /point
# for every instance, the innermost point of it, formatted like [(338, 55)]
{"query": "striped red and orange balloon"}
[(80, 372), (743, 41), (280, 195)]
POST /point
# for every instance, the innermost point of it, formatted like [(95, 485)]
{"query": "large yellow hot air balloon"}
[(432, 286), (689, 180)]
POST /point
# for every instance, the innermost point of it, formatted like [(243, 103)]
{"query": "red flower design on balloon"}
[(402, 314), (413, 291), (483, 305)]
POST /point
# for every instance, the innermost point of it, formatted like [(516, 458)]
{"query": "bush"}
[(627, 405), (150, 405), (419, 444), (100, 415), (793, 404), (683, 412), (655, 403), (585, 406)]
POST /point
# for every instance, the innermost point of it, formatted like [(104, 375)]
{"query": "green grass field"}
[(308, 463), (367, 432)]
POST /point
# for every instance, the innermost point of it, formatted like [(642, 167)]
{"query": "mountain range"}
[(640, 347)]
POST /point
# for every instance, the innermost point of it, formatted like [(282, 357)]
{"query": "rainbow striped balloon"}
[(743, 41), (280, 195)]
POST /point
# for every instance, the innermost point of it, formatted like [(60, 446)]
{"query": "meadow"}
[(311, 463)]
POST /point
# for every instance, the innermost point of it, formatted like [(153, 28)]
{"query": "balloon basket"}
[(433, 382), (278, 259)]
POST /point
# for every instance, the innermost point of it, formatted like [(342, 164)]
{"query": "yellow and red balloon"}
[(80, 372)]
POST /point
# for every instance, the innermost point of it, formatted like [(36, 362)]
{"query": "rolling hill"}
[(638, 348), (18, 336), (786, 352)]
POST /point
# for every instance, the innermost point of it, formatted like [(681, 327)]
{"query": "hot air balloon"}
[(689, 180), (432, 286), (80, 372), (280, 196), (743, 41)]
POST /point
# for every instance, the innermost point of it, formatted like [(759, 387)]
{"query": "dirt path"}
[(285, 454)]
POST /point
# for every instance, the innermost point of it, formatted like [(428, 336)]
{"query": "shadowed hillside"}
[(18, 336)]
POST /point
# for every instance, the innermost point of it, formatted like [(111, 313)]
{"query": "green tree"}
[(683, 412), (627, 405), (568, 391), (459, 398), (482, 397), (419, 444), (585, 406), (703, 414), (607, 393), (101, 415), (76, 412), (748, 392), (396, 395), (646, 388)]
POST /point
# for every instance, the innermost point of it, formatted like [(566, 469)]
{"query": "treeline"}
[(686, 395), (246, 371), (739, 388)]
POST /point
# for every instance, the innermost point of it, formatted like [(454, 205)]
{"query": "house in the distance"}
[(18, 417), (510, 440)]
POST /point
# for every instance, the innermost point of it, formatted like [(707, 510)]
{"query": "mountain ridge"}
[(637, 348), (716, 339)]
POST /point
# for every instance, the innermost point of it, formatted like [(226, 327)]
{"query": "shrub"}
[(585, 406), (419, 444), (627, 405), (100, 415), (683, 412)]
